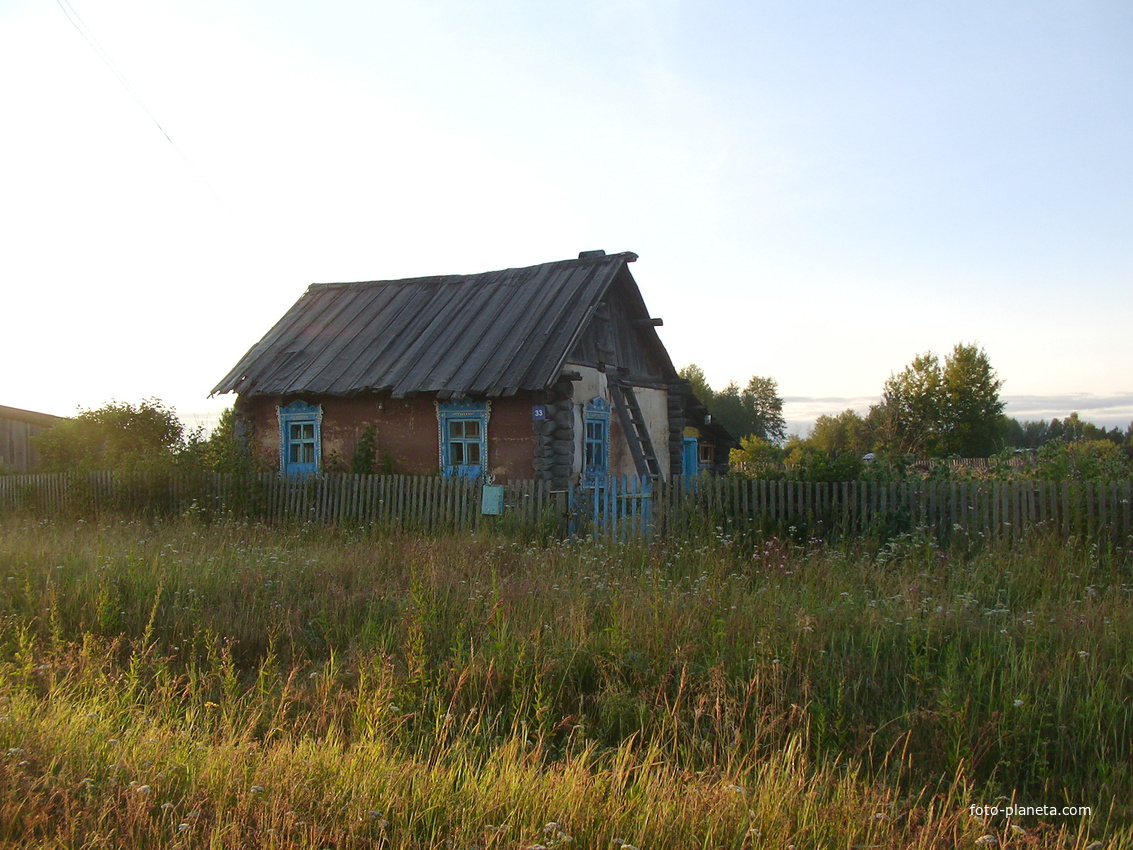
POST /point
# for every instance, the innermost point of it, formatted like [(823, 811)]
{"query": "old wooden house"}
[(552, 371), (17, 427)]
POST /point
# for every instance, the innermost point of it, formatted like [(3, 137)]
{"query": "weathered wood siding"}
[(17, 427)]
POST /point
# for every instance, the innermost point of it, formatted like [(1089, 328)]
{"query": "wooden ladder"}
[(637, 434)]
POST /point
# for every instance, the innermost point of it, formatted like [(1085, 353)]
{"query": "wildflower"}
[(257, 789), (143, 789), (989, 840), (738, 788), (1018, 703), (1083, 654)]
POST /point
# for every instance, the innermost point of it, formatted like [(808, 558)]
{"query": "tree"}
[(804, 462), (763, 410), (756, 457), (224, 450), (972, 410), (846, 433), (754, 411), (699, 383), (928, 409), (727, 408), (118, 436), (911, 407)]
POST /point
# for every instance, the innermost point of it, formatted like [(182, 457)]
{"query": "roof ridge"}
[(624, 256)]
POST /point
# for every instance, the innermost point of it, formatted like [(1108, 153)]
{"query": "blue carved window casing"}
[(300, 438), (463, 427), (596, 443)]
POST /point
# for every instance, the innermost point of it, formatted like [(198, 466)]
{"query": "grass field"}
[(191, 685)]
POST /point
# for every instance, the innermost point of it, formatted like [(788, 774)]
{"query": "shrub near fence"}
[(1002, 510)]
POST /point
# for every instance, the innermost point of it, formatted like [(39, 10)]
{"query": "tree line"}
[(934, 408)]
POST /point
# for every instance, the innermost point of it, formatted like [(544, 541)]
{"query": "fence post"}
[(1001, 510)]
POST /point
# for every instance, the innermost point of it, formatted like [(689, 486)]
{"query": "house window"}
[(463, 437), (707, 454), (596, 443), (300, 438)]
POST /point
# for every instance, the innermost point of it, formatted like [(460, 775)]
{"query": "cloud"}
[(1108, 410)]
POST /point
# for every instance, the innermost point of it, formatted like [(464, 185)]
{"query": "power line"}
[(79, 24)]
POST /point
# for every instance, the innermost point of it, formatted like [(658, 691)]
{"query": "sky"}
[(818, 191)]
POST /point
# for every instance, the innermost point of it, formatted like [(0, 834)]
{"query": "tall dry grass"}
[(233, 685)]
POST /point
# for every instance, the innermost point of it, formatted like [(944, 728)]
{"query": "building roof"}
[(45, 420), (493, 333)]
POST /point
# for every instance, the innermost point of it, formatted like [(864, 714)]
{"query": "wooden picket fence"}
[(423, 503), (1000, 510), (626, 507)]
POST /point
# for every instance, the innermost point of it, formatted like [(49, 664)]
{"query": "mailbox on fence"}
[(492, 500)]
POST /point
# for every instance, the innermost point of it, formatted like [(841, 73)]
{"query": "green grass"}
[(229, 685)]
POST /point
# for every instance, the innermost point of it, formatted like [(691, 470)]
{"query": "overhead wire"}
[(80, 25)]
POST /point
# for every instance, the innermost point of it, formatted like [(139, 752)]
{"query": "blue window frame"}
[(596, 443), (463, 427), (300, 438)]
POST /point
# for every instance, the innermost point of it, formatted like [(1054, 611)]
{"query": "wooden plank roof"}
[(493, 333)]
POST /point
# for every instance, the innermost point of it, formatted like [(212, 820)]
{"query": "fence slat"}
[(625, 507)]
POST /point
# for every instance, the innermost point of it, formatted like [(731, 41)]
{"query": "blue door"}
[(690, 461)]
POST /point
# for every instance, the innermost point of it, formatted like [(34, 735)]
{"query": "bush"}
[(1084, 460), (118, 436)]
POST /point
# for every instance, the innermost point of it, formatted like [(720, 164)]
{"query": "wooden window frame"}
[(299, 414), (462, 411), (596, 416)]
